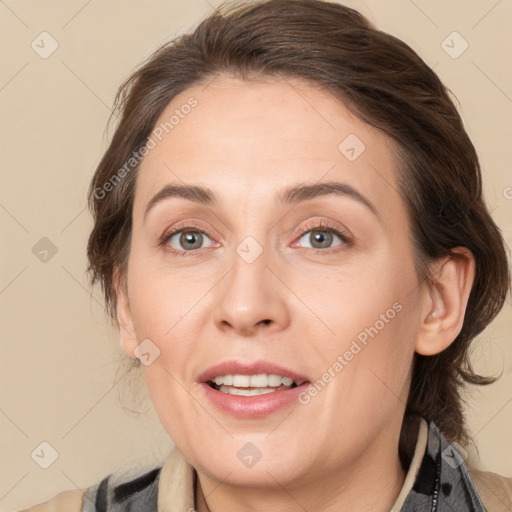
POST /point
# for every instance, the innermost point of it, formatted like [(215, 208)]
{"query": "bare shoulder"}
[(68, 501), (494, 489)]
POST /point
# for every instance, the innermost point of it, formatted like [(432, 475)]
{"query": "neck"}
[(370, 484)]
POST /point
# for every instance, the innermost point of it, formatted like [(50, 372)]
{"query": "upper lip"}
[(233, 367)]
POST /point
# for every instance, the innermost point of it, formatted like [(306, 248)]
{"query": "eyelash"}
[(315, 226), (324, 226)]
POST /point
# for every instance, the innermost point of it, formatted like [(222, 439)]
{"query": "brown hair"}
[(385, 83)]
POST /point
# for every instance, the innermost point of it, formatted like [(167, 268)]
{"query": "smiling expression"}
[(258, 238)]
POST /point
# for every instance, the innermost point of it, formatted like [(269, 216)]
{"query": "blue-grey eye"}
[(323, 238), (188, 240)]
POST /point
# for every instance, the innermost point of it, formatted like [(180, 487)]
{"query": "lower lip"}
[(252, 406)]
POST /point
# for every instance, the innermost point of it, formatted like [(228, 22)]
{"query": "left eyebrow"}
[(288, 196), (303, 191)]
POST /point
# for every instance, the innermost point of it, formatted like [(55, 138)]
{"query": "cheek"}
[(168, 398), (161, 299), (361, 304), (163, 311), (372, 320)]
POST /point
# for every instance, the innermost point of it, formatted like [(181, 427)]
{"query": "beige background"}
[(58, 357)]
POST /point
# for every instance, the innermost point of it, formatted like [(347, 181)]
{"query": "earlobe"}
[(446, 305), (128, 338)]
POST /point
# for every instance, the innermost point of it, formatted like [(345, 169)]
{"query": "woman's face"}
[(275, 268)]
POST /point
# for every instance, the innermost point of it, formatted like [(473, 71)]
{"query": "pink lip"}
[(247, 368), (250, 406)]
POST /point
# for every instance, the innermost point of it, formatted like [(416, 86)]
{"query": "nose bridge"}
[(249, 297)]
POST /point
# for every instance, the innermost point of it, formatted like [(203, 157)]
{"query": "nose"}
[(251, 298)]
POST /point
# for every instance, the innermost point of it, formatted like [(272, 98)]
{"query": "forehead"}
[(253, 137)]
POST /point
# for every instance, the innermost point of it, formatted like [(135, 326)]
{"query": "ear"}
[(124, 315), (446, 301)]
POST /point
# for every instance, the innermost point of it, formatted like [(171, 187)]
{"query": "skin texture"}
[(247, 141)]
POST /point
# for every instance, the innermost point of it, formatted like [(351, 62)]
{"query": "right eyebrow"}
[(194, 193)]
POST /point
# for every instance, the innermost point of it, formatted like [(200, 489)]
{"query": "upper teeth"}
[(255, 381)]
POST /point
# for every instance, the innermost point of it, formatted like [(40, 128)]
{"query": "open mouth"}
[(243, 392), (244, 387)]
